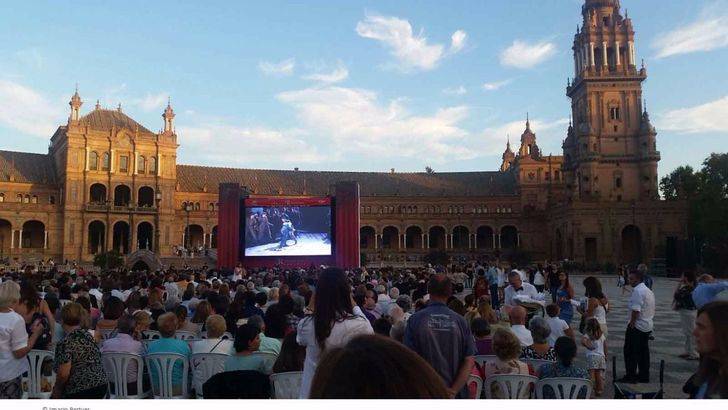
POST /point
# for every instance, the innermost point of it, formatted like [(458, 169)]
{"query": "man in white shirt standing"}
[(517, 287), (636, 340)]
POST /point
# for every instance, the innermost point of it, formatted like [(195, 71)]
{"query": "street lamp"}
[(158, 198), (188, 209)]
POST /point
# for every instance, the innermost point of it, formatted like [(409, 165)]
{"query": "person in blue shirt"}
[(167, 325), (708, 290), (492, 277)]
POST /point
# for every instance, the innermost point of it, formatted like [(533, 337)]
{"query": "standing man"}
[(492, 277), (442, 338), (636, 340), (516, 286)]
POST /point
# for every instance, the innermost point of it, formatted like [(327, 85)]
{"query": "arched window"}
[(211, 207), (142, 166), (26, 200), (197, 206), (93, 161), (153, 165), (105, 162), (34, 199), (2, 197), (20, 198)]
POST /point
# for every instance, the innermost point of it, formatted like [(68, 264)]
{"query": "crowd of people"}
[(385, 333)]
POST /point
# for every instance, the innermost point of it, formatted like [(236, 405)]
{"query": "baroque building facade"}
[(108, 182)]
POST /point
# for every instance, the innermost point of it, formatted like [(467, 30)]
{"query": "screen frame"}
[(279, 201)]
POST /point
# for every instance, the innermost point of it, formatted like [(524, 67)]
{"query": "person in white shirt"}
[(558, 326), (636, 340), (517, 316), (539, 281), (215, 327), (517, 287)]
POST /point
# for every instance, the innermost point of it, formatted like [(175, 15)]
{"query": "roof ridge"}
[(341, 171)]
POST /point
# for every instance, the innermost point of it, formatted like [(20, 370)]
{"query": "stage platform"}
[(309, 244)]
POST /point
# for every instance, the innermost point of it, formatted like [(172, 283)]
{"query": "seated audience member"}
[(167, 325), (517, 317), (267, 344), (124, 342), (558, 326), (565, 349), (214, 343), (182, 322), (276, 324), (113, 309), (77, 362), (247, 342), (507, 349), (540, 348), (202, 312), (481, 332), (517, 287), (143, 322), (382, 326), (375, 367), (291, 357), (711, 332)]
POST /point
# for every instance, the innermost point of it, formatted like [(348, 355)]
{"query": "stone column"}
[(604, 54), (20, 238), (630, 52), (422, 241), (591, 54), (86, 167), (12, 238), (45, 239), (585, 55), (617, 57)]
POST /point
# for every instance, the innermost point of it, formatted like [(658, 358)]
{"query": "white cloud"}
[(259, 146), (708, 32), (357, 123), (30, 57), (496, 85), (152, 102), (337, 75), (282, 68), (461, 90), (549, 135), (523, 55), (705, 118), (27, 111), (411, 50)]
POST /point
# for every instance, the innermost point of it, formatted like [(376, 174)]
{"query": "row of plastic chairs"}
[(202, 365), (512, 386), (153, 334), (534, 363)]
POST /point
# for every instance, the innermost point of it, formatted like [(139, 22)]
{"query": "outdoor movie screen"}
[(287, 230)]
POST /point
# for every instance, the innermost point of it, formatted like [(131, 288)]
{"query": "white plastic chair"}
[(564, 387), (478, 385), (35, 374), (483, 359), (151, 334), (116, 366), (225, 336), (161, 368), (185, 335), (270, 359), (204, 366), (509, 386), (286, 385)]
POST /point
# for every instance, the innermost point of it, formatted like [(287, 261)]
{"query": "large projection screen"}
[(283, 227)]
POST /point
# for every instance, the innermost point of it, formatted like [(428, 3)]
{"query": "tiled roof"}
[(103, 120), (192, 178), (26, 167)]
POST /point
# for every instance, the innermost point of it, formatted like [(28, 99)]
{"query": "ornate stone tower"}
[(508, 157), (610, 154)]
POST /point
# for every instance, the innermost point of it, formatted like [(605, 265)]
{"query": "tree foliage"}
[(109, 260), (707, 194)]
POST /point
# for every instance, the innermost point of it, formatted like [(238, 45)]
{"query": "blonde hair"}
[(167, 324), (9, 294), (506, 345), (215, 325)]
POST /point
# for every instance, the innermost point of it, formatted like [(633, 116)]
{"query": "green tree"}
[(109, 260), (681, 183)]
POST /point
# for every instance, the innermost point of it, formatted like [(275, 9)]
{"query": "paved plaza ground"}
[(668, 344)]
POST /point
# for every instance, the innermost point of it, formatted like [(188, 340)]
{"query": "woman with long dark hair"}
[(481, 287), (711, 332), (34, 309), (335, 320), (564, 294), (597, 304)]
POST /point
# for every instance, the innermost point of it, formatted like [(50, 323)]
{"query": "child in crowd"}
[(558, 326), (596, 353), (481, 332)]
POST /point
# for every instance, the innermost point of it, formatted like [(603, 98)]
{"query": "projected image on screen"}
[(288, 231)]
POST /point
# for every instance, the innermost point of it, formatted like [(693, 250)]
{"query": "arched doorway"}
[(122, 195), (367, 236), (213, 238), (145, 236), (196, 236), (631, 245), (484, 237), (413, 238), (33, 235), (140, 266), (436, 237), (509, 237), (145, 197), (559, 245), (460, 237), (6, 232), (390, 238), (97, 193), (96, 237), (121, 237)]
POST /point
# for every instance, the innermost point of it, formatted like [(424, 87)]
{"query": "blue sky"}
[(352, 85)]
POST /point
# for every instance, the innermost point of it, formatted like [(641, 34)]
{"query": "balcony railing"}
[(123, 209)]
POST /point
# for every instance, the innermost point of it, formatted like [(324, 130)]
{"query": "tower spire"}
[(75, 104), (168, 117)]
